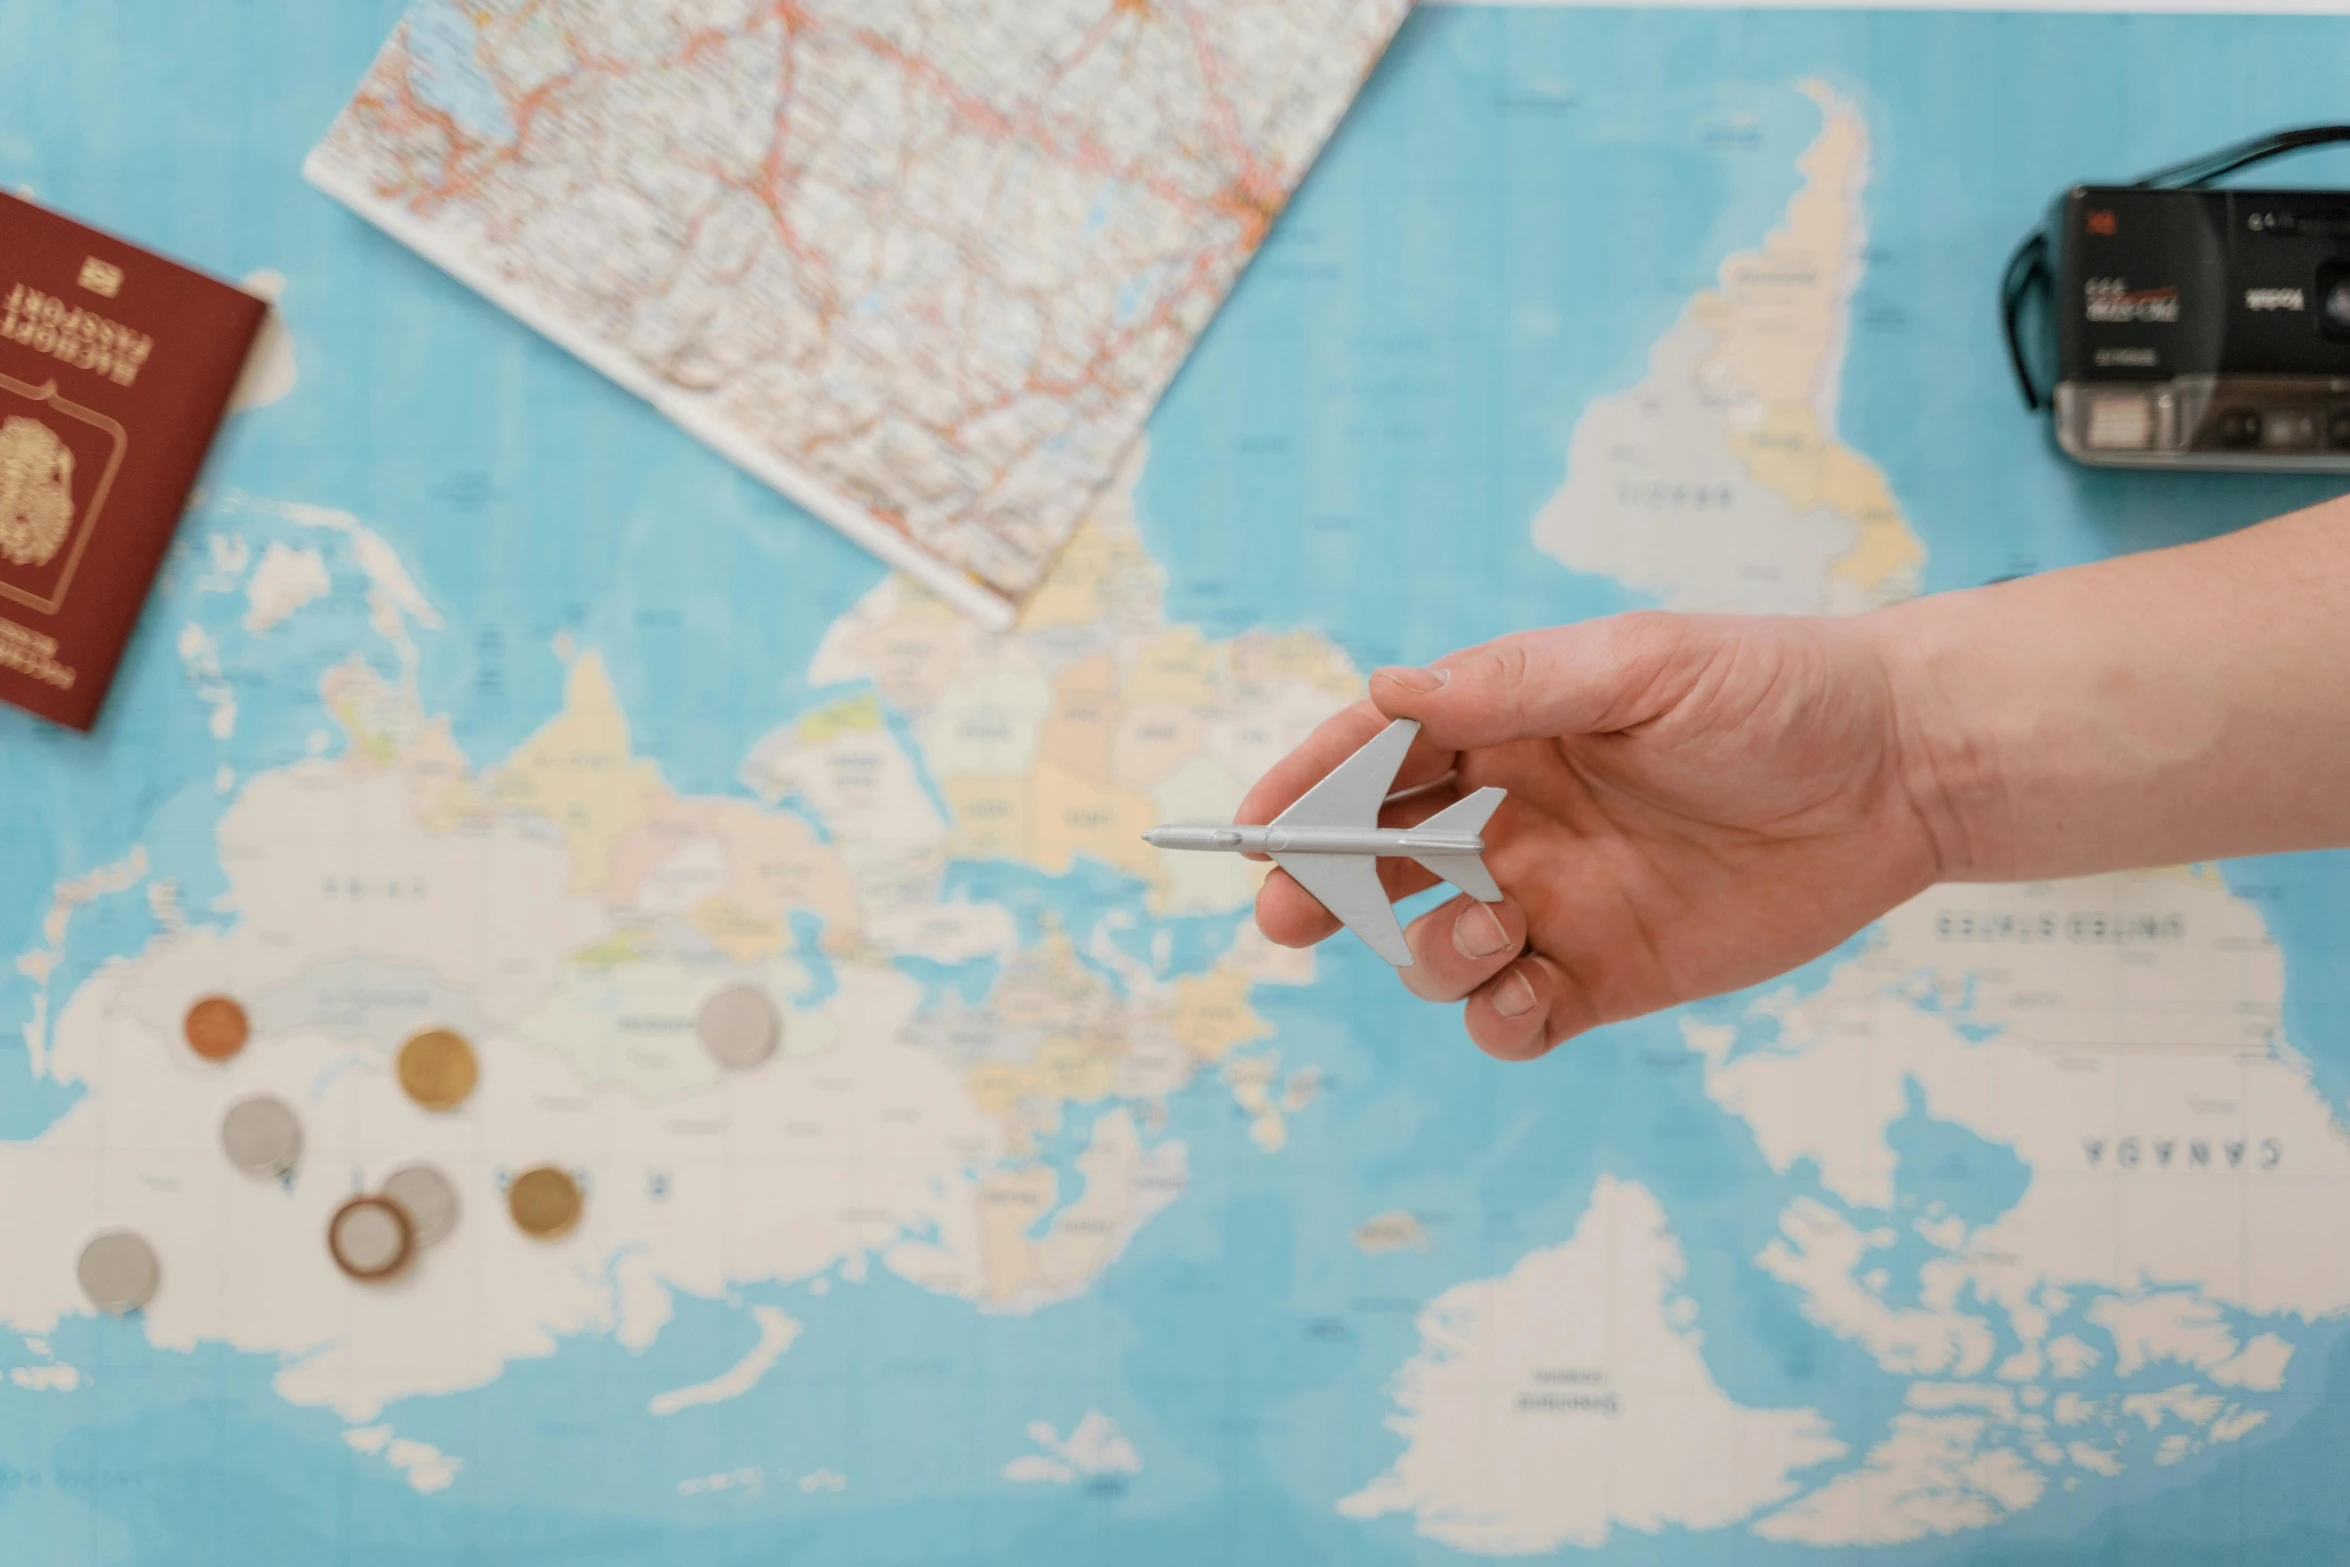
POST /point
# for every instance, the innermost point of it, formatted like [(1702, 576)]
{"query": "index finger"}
[(1338, 737)]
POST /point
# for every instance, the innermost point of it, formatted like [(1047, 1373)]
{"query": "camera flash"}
[(2121, 421)]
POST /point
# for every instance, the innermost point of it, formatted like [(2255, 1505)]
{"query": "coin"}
[(739, 1027), (118, 1271), (369, 1238), (262, 1135), (423, 1193), (544, 1201), (216, 1028), (437, 1069)]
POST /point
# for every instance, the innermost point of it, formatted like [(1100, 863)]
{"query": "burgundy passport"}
[(115, 368)]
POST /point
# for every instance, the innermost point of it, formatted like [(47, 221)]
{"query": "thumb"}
[(1593, 678)]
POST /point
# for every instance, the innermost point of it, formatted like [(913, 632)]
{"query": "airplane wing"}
[(1348, 886), (1354, 791)]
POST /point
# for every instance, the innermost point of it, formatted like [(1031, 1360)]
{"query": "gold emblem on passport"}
[(100, 277), (36, 491), (57, 461)]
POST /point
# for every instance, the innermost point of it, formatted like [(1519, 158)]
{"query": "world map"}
[(1071, 1217)]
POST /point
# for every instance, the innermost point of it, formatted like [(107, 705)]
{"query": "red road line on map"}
[(1247, 201), (773, 187), (1252, 171)]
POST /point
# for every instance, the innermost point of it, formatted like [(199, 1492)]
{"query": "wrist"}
[(1947, 762)]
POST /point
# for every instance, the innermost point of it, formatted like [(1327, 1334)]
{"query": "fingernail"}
[(1514, 996), (1478, 932), (1411, 679)]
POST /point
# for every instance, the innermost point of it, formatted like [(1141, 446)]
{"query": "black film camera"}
[(2192, 326)]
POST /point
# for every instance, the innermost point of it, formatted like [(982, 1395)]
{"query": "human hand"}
[(1696, 803)]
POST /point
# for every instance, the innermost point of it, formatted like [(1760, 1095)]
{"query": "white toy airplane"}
[(1331, 841)]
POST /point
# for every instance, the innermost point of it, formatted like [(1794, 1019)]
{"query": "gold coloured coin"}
[(438, 1069), (216, 1028), (545, 1202), (370, 1239)]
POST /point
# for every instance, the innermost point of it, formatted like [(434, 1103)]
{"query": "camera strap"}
[(2028, 276)]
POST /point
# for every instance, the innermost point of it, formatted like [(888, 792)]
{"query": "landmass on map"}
[(2155, 1192), (1719, 482), (972, 1100)]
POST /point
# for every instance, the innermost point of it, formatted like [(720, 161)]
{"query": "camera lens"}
[(2333, 301), (2239, 427), (2337, 305)]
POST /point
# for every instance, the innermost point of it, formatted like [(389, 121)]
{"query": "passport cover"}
[(115, 368)]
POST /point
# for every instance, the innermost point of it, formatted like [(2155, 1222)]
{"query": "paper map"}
[(923, 265), (1069, 1220)]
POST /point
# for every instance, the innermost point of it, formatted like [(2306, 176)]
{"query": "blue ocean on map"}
[(1521, 205)]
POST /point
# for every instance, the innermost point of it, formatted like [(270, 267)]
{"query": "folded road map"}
[(925, 266)]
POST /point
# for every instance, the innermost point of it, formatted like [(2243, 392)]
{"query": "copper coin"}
[(545, 1202), (370, 1238), (216, 1028), (438, 1069)]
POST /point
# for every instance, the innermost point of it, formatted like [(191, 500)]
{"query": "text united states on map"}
[(924, 265)]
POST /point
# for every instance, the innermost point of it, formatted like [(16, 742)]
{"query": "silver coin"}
[(739, 1026), (119, 1272), (423, 1193), (369, 1238), (262, 1135)]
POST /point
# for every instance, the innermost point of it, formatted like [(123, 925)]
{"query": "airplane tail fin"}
[(1465, 871)]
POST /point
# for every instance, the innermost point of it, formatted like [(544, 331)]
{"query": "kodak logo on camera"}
[(115, 368)]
